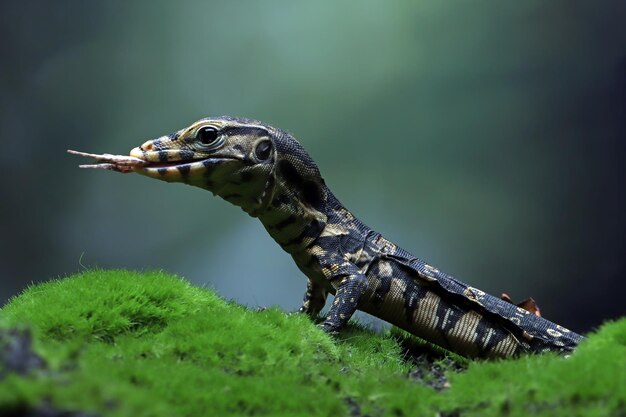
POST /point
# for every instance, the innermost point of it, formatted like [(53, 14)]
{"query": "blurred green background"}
[(484, 136)]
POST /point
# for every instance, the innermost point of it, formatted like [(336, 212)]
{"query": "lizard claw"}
[(328, 331), (329, 328)]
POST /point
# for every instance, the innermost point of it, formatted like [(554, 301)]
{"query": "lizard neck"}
[(295, 224), (291, 221), (299, 206)]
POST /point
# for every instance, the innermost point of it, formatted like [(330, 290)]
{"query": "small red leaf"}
[(528, 304)]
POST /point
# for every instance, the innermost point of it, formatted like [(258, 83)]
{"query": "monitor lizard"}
[(267, 173)]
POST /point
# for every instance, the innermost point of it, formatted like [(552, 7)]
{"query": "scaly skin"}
[(267, 173)]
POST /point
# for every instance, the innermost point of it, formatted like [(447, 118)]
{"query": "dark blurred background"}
[(487, 137)]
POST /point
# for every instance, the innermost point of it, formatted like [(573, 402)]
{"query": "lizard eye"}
[(207, 135), (263, 150)]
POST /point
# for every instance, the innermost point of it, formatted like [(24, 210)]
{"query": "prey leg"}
[(119, 163)]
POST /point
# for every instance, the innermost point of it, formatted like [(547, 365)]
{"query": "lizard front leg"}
[(314, 298), (349, 290)]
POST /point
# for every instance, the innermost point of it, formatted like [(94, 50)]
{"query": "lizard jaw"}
[(202, 172)]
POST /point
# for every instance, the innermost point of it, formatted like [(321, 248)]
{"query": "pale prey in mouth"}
[(126, 164), (119, 163)]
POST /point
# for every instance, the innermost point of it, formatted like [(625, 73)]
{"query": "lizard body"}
[(267, 173)]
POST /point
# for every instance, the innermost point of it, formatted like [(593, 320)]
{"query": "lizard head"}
[(243, 161)]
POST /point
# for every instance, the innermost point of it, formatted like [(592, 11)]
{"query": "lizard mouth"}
[(152, 162), (189, 163), (170, 164)]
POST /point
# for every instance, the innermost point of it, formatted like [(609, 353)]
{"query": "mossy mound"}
[(120, 343)]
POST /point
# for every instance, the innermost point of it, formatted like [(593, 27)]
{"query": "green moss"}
[(122, 343)]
